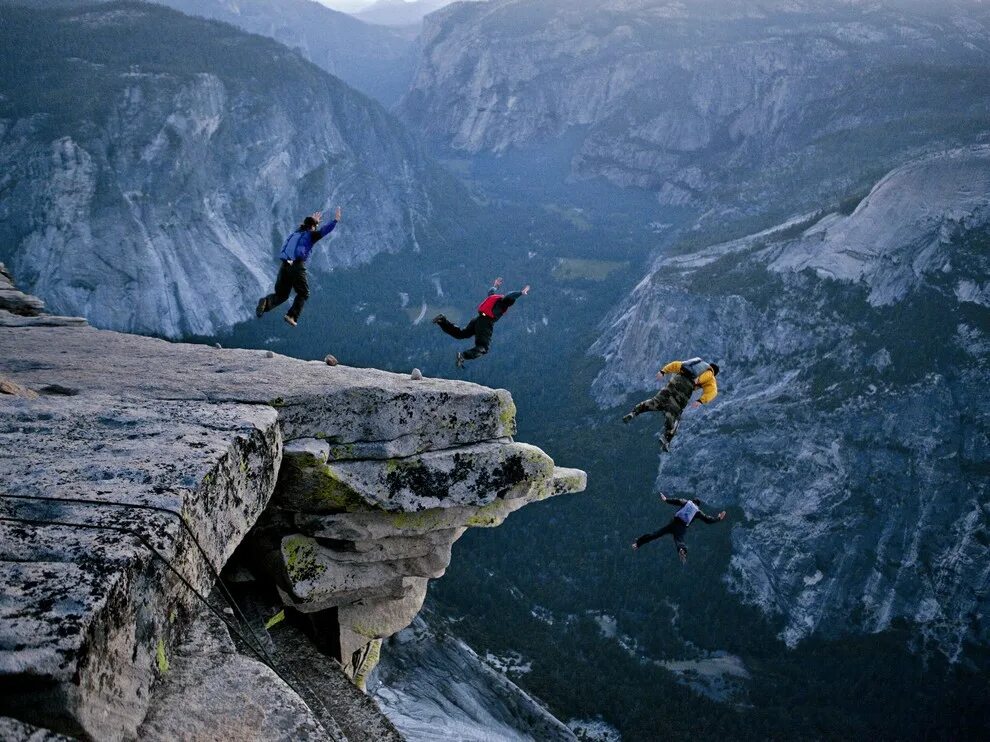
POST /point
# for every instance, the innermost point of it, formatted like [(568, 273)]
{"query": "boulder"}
[(111, 511), (466, 475), (363, 413)]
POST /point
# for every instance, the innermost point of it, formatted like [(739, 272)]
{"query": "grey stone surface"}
[(363, 413), (371, 564), (213, 692), (88, 609), (10, 319), (435, 687), (318, 580), (355, 713), (12, 730), (371, 526), (114, 445), (466, 475)]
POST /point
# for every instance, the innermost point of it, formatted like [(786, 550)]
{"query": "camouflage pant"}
[(671, 401)]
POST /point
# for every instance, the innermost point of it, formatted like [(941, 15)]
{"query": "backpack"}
[(288, 251), (694, 367)]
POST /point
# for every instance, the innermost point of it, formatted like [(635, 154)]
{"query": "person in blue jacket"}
[(292, 274), (687, 511)]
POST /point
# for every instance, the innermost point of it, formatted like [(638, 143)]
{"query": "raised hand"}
[(497, 282), (317, 215), (696, 404), (721, 516), (525, 289), (336, 215), (663, 497), (659, 375)]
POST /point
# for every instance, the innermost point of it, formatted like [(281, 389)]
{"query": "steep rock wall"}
[(184, 156), (849, 429), (733, 105)]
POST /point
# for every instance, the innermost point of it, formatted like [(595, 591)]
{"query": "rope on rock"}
[(260, 652)]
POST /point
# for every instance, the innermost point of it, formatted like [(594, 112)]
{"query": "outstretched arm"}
[(508, 300), (326, 228), (710, 519), (671, 368), (675, 501)]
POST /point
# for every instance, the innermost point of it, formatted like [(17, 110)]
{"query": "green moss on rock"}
[(161, 659), (507, 417), (299, 555), (487, 516)]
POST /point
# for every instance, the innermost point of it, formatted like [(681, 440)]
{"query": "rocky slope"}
[(399, 12), (860, 339), (133, 468), (738, 105), (153, 163), (431, 685), (377, 61)]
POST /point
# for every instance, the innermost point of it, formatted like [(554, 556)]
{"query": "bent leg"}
[(648, 537), (301, 285), (653, 404), (454, 331), (482, 338), (679, 530), (283, 287), (670, 421)]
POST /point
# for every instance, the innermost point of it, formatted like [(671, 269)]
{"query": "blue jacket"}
[(300, 243)]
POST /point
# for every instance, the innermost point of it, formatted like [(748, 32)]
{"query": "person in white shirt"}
[(688, 511)]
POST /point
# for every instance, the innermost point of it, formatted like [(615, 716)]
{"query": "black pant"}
[(480, 328), (291, 277), (677, 528)]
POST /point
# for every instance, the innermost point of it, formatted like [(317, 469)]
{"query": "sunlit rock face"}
[(850, 426), (744, 106)]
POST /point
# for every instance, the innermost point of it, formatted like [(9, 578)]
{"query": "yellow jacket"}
[(705, 382)]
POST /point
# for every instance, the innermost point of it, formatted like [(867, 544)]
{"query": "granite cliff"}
[(851, 430), (730, 106), (153, 163), (133, 469)]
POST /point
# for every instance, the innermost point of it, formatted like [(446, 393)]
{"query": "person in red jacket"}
[(688, 510), (481, 327)]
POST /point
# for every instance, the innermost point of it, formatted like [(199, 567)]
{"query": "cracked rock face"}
[(131, 469), (705, 102), (214, 692), (363, 412), (861, 340), (95, 495), (365, 536)]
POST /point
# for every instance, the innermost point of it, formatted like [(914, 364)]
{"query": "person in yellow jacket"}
[(685, 377)]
